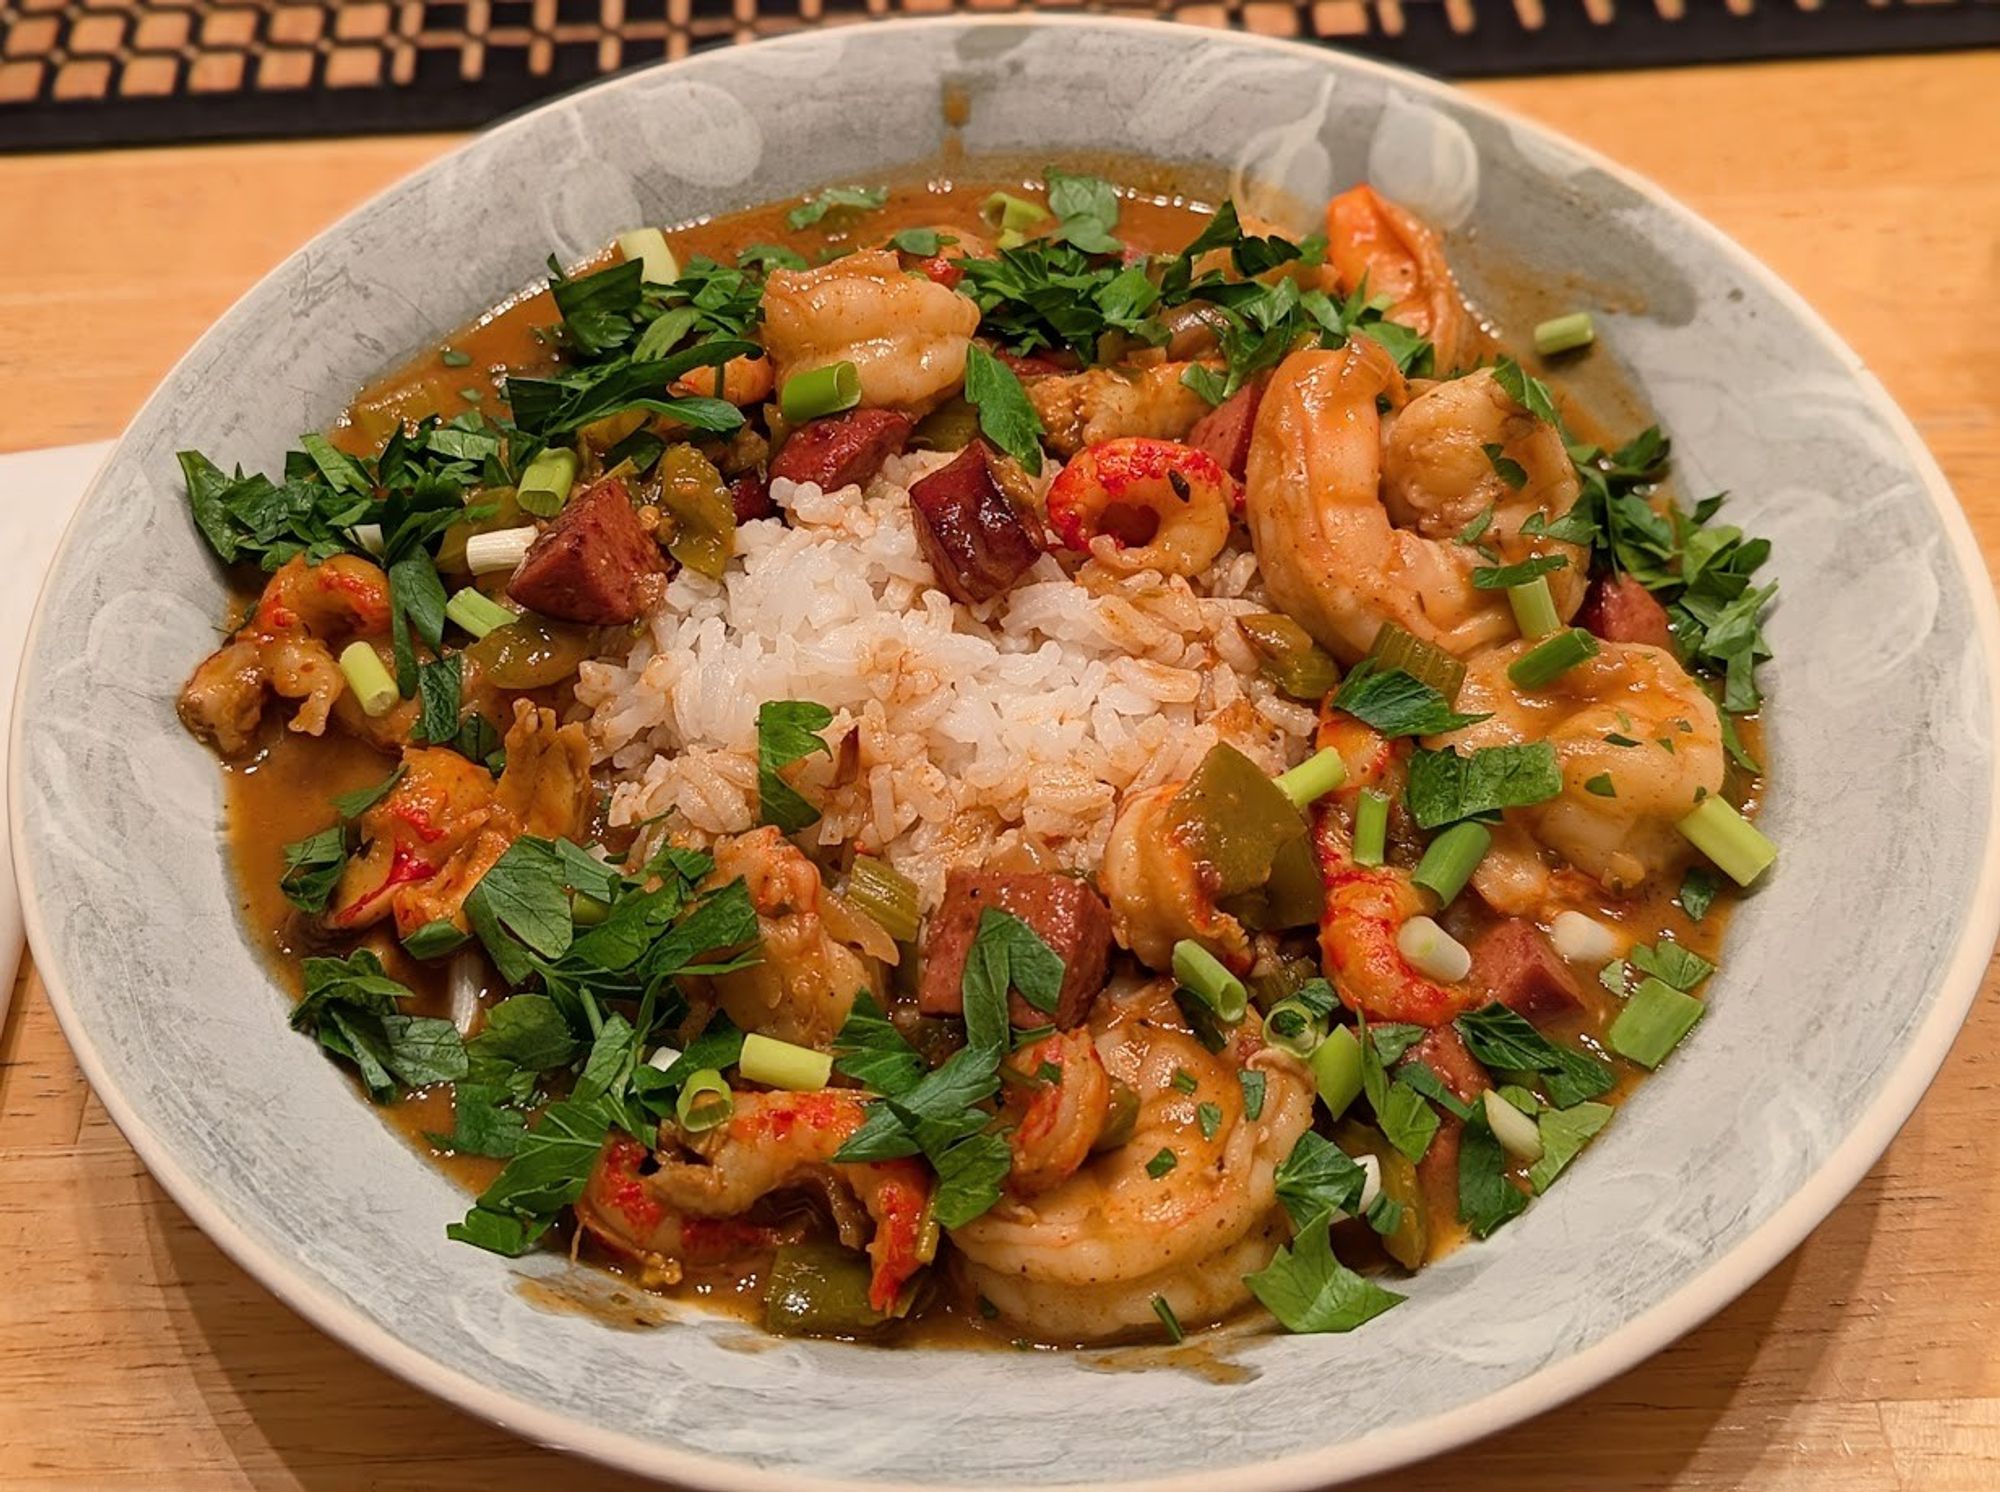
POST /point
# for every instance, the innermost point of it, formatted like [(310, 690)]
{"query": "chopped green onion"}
[(780, 1064), (1653, 1022), (1432, 951), (1165, 1311), (1515, 1131), (1425, 662), (545, 484), (1202, 975), (889, 898), (649, 247), (1534, 608), (1564, 333), (1336, 1069), (503, 549), (1546, 662), (1450, 859), (477, 613), (1013, 214), (821, 391), (1011, 238), (1313, 778), (1739, 850), (362, 667), (1291, 1026), (1163, 1161), (369, 537), (1371, 827), (704, 1102)]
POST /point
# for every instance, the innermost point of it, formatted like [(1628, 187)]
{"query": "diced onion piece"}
[(1372, 1187), (1432, 951), (663, 1058), (649, 247), (1201, 973), (1584, 940), (704, 1102), (779, 1064), (1518, 1135), (1738, 848), (503, 549), (1534, 607), (1313, 778), (477, 613), (373, 689), (1450, 859), (820, 391), (1371, 827), (1564, 333), (369, 537), (1336, 1069)]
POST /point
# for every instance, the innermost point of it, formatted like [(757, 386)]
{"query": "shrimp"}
[(1367, 905), (906, 335), (1372, 240), (440, 801), (1159, 892), (546, 785), (772, 1142), (1329, 549), (1055, 1118), (1628, 692), (1085, 1258), (1140, 504), (741, 380), (287, 647), (1086, 409), (621, 1211), (804, 984)]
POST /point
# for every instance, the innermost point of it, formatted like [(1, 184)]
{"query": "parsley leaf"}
[(1397, 704), (438, 684), (1503, 1039), (1698, 890), (1487, 1198), (770, 256), (1008, 954), (969, 1177), (1005, 416), (1672, 964), (483, 1123), (849, 198), (1502, 577), (1318, 1179), (1309, 1290), (526, 893), (787, 730), (1088, 209), (873, 1052), (313, 867), (351, 1005), (1564, 1134), (1445, 786)]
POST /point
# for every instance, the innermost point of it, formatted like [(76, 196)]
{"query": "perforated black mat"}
[(100, 72)]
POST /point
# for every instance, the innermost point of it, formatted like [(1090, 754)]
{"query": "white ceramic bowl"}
[(1845, 981)]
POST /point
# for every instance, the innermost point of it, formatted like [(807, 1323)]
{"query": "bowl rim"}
[(1715, 1286)]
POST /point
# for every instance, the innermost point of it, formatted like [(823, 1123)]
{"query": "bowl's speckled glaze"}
[(1846, 978)]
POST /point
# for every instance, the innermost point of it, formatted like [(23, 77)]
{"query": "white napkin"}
[(38, 493)]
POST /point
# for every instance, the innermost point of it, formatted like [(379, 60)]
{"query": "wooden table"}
[(133, 1354)]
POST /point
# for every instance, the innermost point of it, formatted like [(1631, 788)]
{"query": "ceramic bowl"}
[(1846, 976)]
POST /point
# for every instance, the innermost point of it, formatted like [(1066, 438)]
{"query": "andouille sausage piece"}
[(1066, 913), (1224, 432), (1444, 1052), (979, 541), (843, 448), (1513, 962), (1619, 609), (750, 495), (591, 564)]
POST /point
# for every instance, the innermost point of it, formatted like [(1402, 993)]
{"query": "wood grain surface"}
[(133, 1354)]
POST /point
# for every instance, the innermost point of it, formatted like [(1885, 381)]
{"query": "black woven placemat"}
[(101, 72)]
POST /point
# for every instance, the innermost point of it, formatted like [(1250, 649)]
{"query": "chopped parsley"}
[(787, 731), (1309, 1290), (851, 199), (1005, 416), (1162, 1163), (1446, 786), (1397, 703)]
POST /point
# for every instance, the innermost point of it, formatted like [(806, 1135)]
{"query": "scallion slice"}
[(1371, 827), (477, 613), (1548, 661), (1291, 1026), (503, 549), (1432, 951), (704, 1102), (1425, 662), (1201, 973), (779, 1064), (649, 247), (1564, 333), (1516, 1132), (820, 391), (369, 537), (1738, 848), (1336, 1069), (373, 688), (1313, 778), (1009, 213), (1450, 859), (1163, 1308), (1653, 1022), (545, 484), (1534, 607), (882, 893)]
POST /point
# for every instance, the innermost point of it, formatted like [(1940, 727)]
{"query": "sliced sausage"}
[(1066, 913), (750, 493), (1444, 1051), (592, 563), (1619, 609), (1513, 962), (1224, 432), (979, 541), (842, 449)]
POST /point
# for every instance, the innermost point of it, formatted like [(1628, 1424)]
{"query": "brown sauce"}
[(280, 794)]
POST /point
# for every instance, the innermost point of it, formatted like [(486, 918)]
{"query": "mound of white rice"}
[(1009, 732)]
